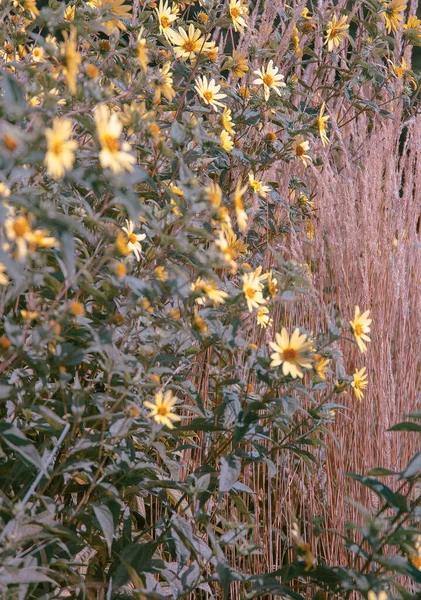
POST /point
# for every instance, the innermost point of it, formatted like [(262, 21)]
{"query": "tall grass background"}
[(366, 252)]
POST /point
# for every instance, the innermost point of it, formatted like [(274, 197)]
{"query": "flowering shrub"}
[(149, 358)]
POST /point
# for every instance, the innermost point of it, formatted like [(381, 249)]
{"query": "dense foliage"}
[(147, 358)]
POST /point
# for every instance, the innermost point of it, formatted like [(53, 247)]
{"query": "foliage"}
[(144, 294)]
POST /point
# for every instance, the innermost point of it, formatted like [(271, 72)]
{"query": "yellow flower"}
[(359, 382), (263, 317), (226, 141), (114, 153), (415, 557), (60, 154), (392, 14), (188, 43), (304, 549), (76, 308), (161, 273), (238, 64), (229, 244), (133, 239), (300, 148), (380, 596), (227, 122), (29, 315), (322, 126), (142, 51), (4, 280), (161, 409), (413, 23), (30, 6), (336, 32), (162, 83), (166, 16), (291, 352), (252, 288), (40, 238), (120, 270), (17, 230), (360, 327), (320, 365), (209, 92), (403, 71), (238, 12), (116, 8), (209, 289), (258, 186), (69, 13), (296, 41), (38, 54), (239, 206), (72, 59), (272, 284), (270, 79)]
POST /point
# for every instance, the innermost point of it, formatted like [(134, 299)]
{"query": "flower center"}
[(290, 354), (358, 329), (57, 147), (300, 150), (250, 292), (189, 46), (111, 143), (235, 13), (132, 238), (20, 227), (162, 411), (165, 22), (268, 80), (208, 96)]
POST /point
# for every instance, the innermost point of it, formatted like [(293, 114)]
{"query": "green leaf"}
[(230, 471), (406, 426), (105, 519), (15, 440), (414, 467), (397, 501)]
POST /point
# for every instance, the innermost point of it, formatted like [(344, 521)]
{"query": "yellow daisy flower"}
[(166, 17), (336, 32), (114, 153), (413, 23), (162, 83), (392, 15), (380, 596), (320, 365), (226, 141), (239, 206), (72, 59), (60, 154), (227, 122), (17, 230), (291, 352), (133, 239), (300, 148), (415, 557), (270, 79), (263, 317), (238, 12), (360, 327), (116, 8), (187, 44), (322, 125), (209, 92), (252, 288), (209, 290), (359, 382), (258, 186), (162, 407)]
